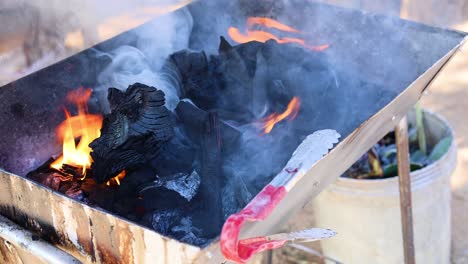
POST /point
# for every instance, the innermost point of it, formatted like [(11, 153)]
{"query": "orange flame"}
[(84, 126), (290, 113), (263, 36), (116, 179)]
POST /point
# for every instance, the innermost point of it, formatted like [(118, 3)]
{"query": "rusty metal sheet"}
[(90, 235), (18, 245)]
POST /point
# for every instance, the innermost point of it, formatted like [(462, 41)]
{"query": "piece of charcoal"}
[(178, 155), (155, 196), (209, 214), (133, 133), (279, 95), (190, 70), (65, 181), (187, 233), (186, 185), (51, 179), (73, 190), (163, 221), (135, 180), (223, 81), (74, 171), (189, 62), (224, 46), (195, 119), (173, 223)]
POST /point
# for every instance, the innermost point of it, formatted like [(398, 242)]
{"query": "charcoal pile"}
[(186, 170)]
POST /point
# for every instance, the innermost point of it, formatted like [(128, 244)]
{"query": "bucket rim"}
[(418, 177)]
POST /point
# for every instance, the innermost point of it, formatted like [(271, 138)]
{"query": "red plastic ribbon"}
[(258, 209)]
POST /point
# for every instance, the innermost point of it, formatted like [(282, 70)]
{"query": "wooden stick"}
[(401, 134)]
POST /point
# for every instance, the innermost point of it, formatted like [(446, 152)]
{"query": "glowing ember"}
[(263, 36), (290, 113), (84, 126)]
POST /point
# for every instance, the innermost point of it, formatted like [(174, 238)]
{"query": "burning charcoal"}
[(194, 75), (174, 224), (240, 61), (187, 233), (224, 46), (103, 197), (167, 193), (235, 195), (195, 119), (51, 179), (236, 69), (209, 214), (76, 172), (163, 221), (47, 176), (189, 62), (186, 185), (192, 117), (178, 155), (230, 136), (73, 190), (133, 133), (135, 180), (199, 82), (279, 94)]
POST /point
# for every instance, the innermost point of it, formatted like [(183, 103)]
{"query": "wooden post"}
[(401, 134)]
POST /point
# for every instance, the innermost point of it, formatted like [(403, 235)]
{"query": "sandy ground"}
[(448, 96)]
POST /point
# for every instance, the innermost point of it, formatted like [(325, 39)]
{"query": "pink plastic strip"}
[(240, 251)]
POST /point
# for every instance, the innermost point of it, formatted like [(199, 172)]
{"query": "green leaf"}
[(420, 128), (413, 135), (418, 157), (440, 149), (389, 152), (392, 169)]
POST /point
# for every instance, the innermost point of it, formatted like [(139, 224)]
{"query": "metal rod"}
[(269, 259), (314, 253), (401, 134)]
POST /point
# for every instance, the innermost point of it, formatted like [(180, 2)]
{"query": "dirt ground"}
[(448, 97)]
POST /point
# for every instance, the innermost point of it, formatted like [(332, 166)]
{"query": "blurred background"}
[(37, 33)]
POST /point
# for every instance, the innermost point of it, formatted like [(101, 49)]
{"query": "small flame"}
[(116, 179), (290, 113), (84, 126), (263, 36)]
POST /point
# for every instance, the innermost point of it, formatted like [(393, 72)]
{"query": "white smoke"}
[(142, 63)]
